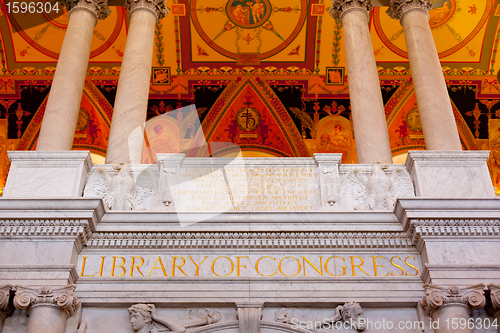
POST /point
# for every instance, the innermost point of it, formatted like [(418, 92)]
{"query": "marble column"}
[(494, 304), (436, 114), (5, 305), (63, 106), (447, 306), (48, 307), (367, 106), (131, 103)]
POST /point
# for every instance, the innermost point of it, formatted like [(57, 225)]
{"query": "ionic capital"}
[(61, 298), (98, 7), (157, 7), (437, 297), (341, 7), (398, 8), (5, 306), (495, 298)]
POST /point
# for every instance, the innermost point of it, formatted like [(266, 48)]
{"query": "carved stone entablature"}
[(156, 6), (5, 305), (436, 297), (398, 8), (340, 7), (188, 240), (98, 7), (452, 227), (43, 228), (61, 298), (494, 304)]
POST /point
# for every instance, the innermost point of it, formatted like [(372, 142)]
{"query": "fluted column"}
[(63, 106), (5, 306), (436, 114), (494, 304), (48, 307), (132, 94), (447, 306), (368, 115)]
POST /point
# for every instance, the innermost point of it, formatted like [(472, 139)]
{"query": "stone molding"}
[(398, 8), (259, 240), (494, 306), (5, 305), (341, 7), (436, 297), (98, 7), (157, 7), (61, 298)]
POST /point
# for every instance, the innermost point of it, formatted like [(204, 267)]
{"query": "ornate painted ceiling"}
[(281, 64)]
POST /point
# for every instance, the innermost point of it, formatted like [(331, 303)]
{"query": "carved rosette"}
[(341, 7), (437, 297), (495, 298), (398, 8), (5, 306), (157, 7), (61, 298), (98, 7)]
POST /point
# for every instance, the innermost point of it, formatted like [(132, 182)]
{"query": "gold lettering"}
[(298, 263), (304, 259), (238, 266), (83, 268), (132, 266), (102, 265), (257, 266), (174, 266), (162, 267), (416, 270), (375, 265), (213, 264), (197, 266), (358, 266), (119, 266), (396, 265), (343, 267)]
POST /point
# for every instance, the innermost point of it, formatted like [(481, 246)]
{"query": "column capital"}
[(61, 298), (5, 306), (157, 7), (437, 297), (494, 297), (341, 7), (98, 7), (398, 8)]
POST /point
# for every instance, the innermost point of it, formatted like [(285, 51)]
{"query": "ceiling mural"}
[(266, 75)]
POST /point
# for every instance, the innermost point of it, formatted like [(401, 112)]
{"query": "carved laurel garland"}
[(436, 297), (339, 7), (400, 7), (250, 240), (46, 227), (61, 298)]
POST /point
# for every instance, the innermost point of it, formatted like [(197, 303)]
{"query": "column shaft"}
[(132, 94), (438, 122), (46, 319), (449, 317), (63, 106), (368, 115)]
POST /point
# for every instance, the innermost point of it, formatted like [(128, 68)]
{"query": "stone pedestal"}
[(448, 307), (249, 317), (450, 174), (50, 174), (48, 307)]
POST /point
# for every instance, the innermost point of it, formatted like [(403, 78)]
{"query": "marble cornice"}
[(5, 305), (341, 7), (257, 240), (98, 7), (157, 7), (437, 297), (61, 298), (398, 8)]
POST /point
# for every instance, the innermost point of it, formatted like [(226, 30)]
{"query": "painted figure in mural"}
[(436, 15), (258, 10), (494, 160), (249, 12), (143, 318), (335, 143), (239, 14), (161, 142)]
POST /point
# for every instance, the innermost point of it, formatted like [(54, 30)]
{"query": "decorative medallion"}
[(248, 14), (248, 118)]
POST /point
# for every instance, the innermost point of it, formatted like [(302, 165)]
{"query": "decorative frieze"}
[(157, 7), (398, 8), (437, 297), (187, 240), (61, 298), (98, 7), (340, 7)]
